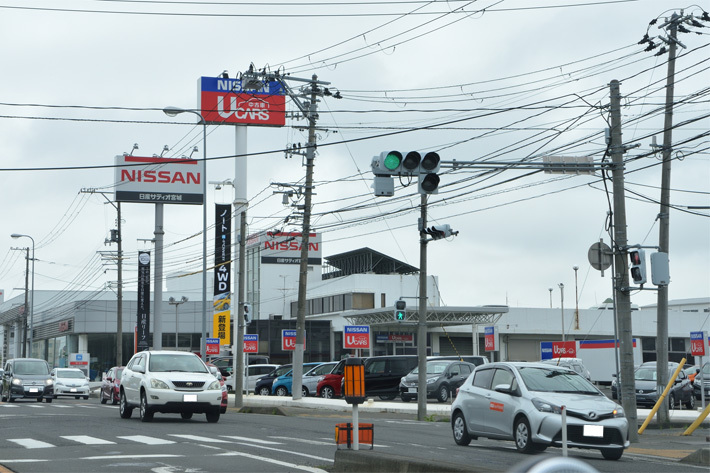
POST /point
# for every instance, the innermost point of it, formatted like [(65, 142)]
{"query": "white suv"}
[(169, 382)]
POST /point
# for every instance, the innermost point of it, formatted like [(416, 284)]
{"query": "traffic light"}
[(660, 274), (638, 265), (440, 231), (387, 163), (428, 177), (247, 314), (400, 310)]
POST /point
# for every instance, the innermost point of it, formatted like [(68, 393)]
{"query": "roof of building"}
[(364, 261)]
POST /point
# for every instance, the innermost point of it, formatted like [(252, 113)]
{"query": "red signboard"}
[(224, 101), (288, 340), (490, 336), (356, 336), (564, 349), (212, 346), (251, 343), (697, 343)]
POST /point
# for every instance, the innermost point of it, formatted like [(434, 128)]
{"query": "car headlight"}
[(158, 384), (544, 406), (618, 412), (17, 382), (431, 380), (214, 385), (49, 381)]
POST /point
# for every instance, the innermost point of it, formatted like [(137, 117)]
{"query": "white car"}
[(70, 382), (254, 372), (169, 382), (523, 402)]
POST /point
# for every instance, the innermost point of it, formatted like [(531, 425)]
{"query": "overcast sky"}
[(507, 80)]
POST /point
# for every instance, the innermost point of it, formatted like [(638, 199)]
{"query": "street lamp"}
[(576, 299), (550, 289), (32, 301), (562, 304), (176, 303), (172, 112)]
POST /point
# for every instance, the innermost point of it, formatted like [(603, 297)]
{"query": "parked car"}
[(645, 377), (310, 379), (703, 378), (27, 378), (443, 377), (384, 373), (110, 385), (169, 382), (521, 402), (574, 364), (253, 373), (70, 382), (225, 397), (282, 385), (263, 384), (473, 359), (691, 371), (329, 385), (225, 363)]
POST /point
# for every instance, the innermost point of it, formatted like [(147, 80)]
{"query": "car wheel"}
[(186, 415), (212, 417), (691, 402), (10, 398), (264, 391), (388, 397), (406, 398), (443, 394), (671, 401), (124, 409), (521, 430), (145, 412), (461, 436), (304, 391), (612, 453), (86, 397), (47, 400), (39, 399), (327, 392), (77, 397), (3, 398), (281, 391), (102, 398)]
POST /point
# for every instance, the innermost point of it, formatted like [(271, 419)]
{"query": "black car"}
[(27, 378), (645, 378), (443, 378), (384, 373), (702, 377), (263, 385)]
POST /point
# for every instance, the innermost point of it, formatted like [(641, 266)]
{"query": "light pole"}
[(32, 301), (550, 289), (176, 303), (172, 112), (576, 299), (562, 304)]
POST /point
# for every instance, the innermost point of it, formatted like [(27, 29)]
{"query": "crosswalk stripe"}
[(308, 441), (31, 443), (146, 440), (198, 438), (250, 439), (87, 440)]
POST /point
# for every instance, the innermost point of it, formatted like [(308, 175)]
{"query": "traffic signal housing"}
[(440, 231), (660, 273), (428, 173), (247, 314), (400, 310), (387, 163), (638, 265)]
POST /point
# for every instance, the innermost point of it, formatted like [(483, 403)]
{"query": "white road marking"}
[(276, 462), (31, 443), (198, 438), (145, 439), (308, 441), (87, 440), (249, 439), (329, 460)]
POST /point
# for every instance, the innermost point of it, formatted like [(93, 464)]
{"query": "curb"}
[(699, 457)]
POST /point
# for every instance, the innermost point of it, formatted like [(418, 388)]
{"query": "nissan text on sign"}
[(224, 102), (159, 180)]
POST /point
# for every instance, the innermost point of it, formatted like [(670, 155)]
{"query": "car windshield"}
[(706, 371), (282, 370), (556, 381), (70, 374), (433, 368), (170, 362), (645, 374), (31, 367)]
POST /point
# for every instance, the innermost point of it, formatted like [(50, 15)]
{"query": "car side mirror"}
[(503, 388), (139, 369)]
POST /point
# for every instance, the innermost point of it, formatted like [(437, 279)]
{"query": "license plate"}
[(189, 398), (593, 431), (73, 390), (34, 390), (412, 390)]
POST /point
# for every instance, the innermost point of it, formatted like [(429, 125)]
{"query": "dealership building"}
[(358, 287)]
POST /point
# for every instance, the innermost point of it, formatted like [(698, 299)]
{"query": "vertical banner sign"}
[(212, 346), (143, 315), (697, 343), (357, 336), (222, 273), (288, 340), (491, 338), (251, 343)]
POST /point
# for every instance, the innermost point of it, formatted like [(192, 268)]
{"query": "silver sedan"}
[(523, 402)]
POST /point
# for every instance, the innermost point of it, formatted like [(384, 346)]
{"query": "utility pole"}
[(238, 353), (622, 296), (27, 285), (664, 227), (421, 323)]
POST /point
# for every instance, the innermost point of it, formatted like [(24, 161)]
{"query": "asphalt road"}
[(85, 436)]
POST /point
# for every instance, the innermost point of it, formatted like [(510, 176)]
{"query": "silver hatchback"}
[(523, 402)]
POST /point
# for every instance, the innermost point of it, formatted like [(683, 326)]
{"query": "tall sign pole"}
[(421, 324)]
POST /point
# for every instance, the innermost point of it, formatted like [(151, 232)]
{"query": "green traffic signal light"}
[(400, 310), (393, 160)]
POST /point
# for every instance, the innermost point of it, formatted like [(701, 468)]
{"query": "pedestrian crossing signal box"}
[(400, 310)]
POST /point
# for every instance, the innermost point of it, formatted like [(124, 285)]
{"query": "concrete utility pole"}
[(119, 291), (622, 297), (421, 324), (664, 227), (27, 292), (238, 352)]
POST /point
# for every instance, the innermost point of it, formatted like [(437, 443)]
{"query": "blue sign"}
[(288, 333), (219, 84), (545, 350), (212, 341), (248, 337), (357, 329), (80, 358)]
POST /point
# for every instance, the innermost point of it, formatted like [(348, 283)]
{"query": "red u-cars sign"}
[(224, 101), (357, 336)]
